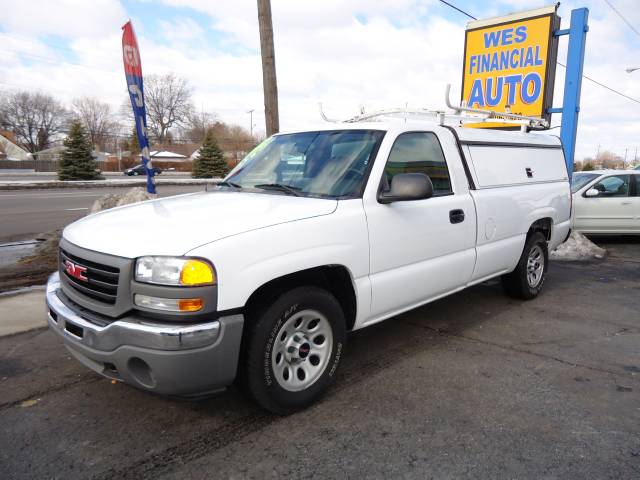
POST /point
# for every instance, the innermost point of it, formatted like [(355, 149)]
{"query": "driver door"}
[(419, 249)]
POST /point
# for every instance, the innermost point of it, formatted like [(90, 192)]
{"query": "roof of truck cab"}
[(465, 134)]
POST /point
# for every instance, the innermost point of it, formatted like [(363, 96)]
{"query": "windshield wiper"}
[(278, 186), (228, 184)]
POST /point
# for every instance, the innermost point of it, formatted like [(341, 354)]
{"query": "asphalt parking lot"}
[(473, 386)]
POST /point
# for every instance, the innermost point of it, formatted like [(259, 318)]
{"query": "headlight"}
[(175, 271)]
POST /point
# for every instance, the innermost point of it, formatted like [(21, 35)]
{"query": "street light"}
[(632, 69), (250, 112)]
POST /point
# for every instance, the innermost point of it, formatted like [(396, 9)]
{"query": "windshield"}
[(579, 180), (330, 164)]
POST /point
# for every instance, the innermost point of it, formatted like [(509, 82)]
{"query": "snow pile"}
[(112, 200), (577, 247)]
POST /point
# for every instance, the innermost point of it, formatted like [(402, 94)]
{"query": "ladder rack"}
[(460, 116)]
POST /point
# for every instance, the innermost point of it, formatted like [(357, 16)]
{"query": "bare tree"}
[(609, 160), (168, 101), (198, 125), (34, 118), (97, 119)]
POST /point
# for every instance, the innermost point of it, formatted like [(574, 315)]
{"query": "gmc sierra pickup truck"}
[(314, 234)]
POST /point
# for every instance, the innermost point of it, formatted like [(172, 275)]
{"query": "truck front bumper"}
[(166, 358)]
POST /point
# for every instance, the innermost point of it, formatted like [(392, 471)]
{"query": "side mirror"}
[(406, 187), (592, 192)]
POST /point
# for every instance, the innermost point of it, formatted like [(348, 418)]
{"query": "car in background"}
[(140, 170), (606, 202)]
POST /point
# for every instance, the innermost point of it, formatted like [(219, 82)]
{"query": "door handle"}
[(456, 216), (625, 203)]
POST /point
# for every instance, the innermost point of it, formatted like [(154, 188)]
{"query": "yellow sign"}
[(509, 63)]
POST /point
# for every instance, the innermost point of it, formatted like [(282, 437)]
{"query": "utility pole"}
[(250, 112), (269, 82)]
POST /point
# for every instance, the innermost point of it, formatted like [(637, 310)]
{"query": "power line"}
[(458, 9), (561, 64), (605, 86), (622, 17)]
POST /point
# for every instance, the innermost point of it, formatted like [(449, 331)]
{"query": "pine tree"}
[(77, 161), (134, 146), (211, 162)]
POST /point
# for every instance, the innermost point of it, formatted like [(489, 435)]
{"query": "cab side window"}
[(419, 152), (637, 178), (614, 186)]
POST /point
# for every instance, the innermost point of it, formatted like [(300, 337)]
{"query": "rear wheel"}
[(292, 350), (526, 281)]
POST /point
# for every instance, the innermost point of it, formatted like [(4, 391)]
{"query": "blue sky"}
[(345, 53)]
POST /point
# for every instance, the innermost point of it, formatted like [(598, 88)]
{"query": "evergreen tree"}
[(211, 162), (134, 146), (77, 162)]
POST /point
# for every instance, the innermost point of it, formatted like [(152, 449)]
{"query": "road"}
[(25, 213), (472, 386)]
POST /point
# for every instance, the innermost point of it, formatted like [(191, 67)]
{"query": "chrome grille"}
[(101, 282)]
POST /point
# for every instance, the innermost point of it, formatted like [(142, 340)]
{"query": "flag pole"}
[(135, 87)]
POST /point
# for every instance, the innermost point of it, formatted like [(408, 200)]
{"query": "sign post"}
[(573, 83)]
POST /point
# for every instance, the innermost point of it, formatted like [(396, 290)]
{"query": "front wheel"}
[(526, 281), (292, 350)]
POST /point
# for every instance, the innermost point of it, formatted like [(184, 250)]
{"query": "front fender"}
[(247, 261)]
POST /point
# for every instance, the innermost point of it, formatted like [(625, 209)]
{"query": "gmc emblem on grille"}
[(76, 271)]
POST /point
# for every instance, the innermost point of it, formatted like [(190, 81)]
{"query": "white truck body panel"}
[(493, 168), (245, 262), (504, 217), (175, 225)]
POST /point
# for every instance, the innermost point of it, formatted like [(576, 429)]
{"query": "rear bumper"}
[(172, 359)]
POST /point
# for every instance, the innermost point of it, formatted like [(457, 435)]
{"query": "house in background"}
[(10, 150), (166, 156), (232, 158), (51, 154), (168, 160)]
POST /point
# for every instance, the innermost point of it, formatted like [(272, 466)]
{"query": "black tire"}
[(518, 284), (256, 375)]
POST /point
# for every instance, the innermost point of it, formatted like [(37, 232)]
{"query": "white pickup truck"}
[(314, 234)]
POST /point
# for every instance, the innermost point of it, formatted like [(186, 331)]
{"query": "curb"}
[(22, 311), (45, 184), (20, 291)]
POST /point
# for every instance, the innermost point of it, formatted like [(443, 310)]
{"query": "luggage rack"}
[(460, 116)]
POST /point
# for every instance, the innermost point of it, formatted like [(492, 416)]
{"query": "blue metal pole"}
[(573, 83)]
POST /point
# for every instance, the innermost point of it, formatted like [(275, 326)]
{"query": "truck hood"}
[(175, 225)]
